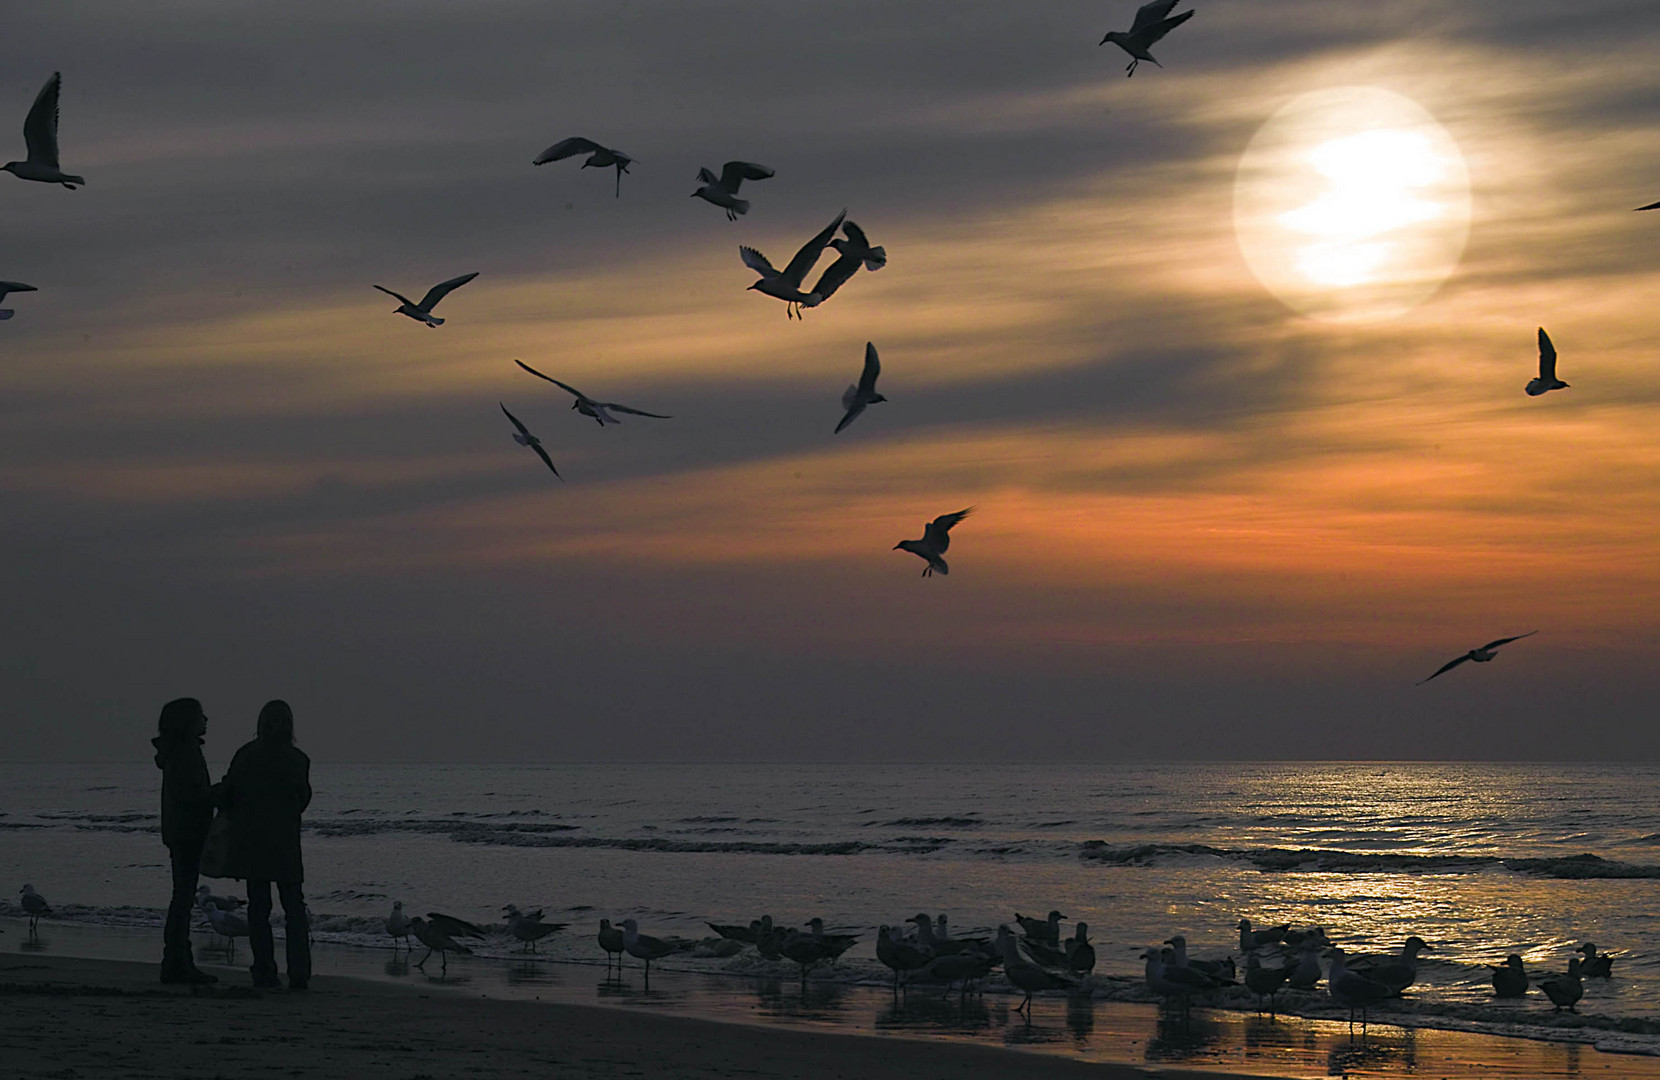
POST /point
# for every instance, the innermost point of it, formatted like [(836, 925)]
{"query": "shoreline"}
[(1101, 1034)]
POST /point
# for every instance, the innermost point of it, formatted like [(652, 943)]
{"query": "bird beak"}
[(895, 547), (757, 285)]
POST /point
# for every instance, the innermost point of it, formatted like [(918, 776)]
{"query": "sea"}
[(1480, 860)]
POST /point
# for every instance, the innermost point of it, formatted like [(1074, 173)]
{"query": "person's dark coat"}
[(265, 789), (186, 792)]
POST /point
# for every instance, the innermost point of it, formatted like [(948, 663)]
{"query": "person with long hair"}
[(266, 789), (186, 811)]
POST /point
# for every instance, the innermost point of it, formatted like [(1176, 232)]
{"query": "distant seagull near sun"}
[(40, 137), (600, 411), (11, 287), (722, 190), (1547, 380), (1481, 656), (422, 312), (599, 156), (855, 398), (935, 539), (852, 253), (525, 438), (786, 285), (1152, 22)]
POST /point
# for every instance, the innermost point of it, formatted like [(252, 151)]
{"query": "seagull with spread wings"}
[(785, 285), (1481, 656), (722, 190), (853, 252), (598, 156), (599, 411), (1547, 380), (855, 398), (1152, 21), (40, 136), (422, 312), (935, 539), (524, 438), (11, 287)]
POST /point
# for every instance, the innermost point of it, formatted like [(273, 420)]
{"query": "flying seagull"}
[(600, 411), (1547, 380), (855, 398), (598, 156), (786, 286), (1650, 206), (1152, 21), (722, 190), (422, 312), (935, 539), (40, 136), (852, 252), (11, 287), (1481, 656), (525, 438)]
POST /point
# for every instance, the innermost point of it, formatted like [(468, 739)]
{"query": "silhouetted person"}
[(266, 788), (186, 811)]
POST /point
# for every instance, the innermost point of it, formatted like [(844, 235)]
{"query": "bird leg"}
[(422, 965), (1131, 69)]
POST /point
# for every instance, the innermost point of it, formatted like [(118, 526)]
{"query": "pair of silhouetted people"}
[(263, 793)]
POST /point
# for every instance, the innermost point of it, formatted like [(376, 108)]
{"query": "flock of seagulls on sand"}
[(1153, 21)]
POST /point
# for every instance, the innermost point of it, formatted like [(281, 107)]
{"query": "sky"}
[(1207, 525)]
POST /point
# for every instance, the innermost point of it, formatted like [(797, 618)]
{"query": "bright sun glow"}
[(1352, 203)]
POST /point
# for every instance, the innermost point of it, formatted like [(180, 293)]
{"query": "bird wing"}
[(938, 533), (756, 262), (40, 127), (563, 386), (856, 234), (1547, 357), (810, 251), (443, 289), (1152, 34), (400, 296), (565, 148), (522, 429), (704, 176), (1448, 666), (451, 926), (734, 173), (850, 402), (543, 454), (15, 286), (835, 276), (1650, 206), (873, 368), (1507, 640), (1151, 13), (614, 407)]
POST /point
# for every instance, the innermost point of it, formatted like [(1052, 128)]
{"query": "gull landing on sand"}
[(40, 137), (1547, 380), (855, 398), (935, 539), (11, 287), (600, 411), (722, 190), (524, 438), (1481, 656), (422, 312), (599, 156), (1152, 22), (785, 285)]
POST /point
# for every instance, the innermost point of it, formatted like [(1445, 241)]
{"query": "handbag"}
[(216, 849)]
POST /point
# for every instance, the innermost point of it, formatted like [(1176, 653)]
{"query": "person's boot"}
[(265, 978), (174, 966)]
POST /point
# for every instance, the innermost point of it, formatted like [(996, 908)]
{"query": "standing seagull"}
[(1547, 380), (40, 136), (786, 286), (34, 905), (599, 156), (437, 940), (1481, 656), (11, 287), (397, 925), (525, 438), (422, 312), (722, 190), (1152, 21), (600, 411), (853, 252), (855, 398), (935, 539)]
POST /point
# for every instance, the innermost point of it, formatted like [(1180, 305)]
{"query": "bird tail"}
[(740, 206), (813, 300), (436, 321), (940, 565), (6, 313), (876, 258)]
